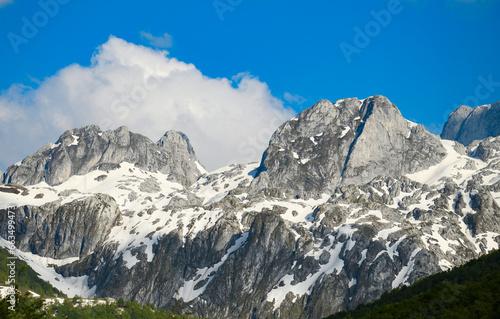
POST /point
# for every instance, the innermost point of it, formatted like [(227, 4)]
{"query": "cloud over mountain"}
[(227, 120)]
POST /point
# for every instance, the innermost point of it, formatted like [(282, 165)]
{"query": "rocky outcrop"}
[(350, 141), (466, 124), (486, 214), (182, 159), (455, 120), (63, 230), (487, 149), (80, 151)]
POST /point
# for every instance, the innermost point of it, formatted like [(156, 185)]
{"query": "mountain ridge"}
[(369, 138), (238, 244), (82, 150)]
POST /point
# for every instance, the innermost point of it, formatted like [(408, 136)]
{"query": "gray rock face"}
[(182, 159), (466, 124), (486, 216), (80, 151), (360, 263), (487, 149), (347, 142), (58, 231), (454, 123)]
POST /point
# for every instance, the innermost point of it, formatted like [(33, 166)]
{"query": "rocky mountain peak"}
[(183, 158), (381, 106), (466, 124), (349, 141), (82, 150), (325, 113), (455, 121), (173, 139)]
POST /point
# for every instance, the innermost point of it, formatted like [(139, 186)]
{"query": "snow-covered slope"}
[(150, 210), (233, 245)]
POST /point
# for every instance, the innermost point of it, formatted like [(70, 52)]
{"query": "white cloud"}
[(290, 98), (163, 42), (227, 121), (5, 2)]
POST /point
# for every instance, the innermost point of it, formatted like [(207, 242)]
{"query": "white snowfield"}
[(146, 218), (452, 166)]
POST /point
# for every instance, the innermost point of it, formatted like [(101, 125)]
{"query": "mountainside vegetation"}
[(468, 291), (27, 278), (33, 308)]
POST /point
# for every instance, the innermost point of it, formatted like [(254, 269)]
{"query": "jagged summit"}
[(466, 124), (175, 138), (349, 141), (82, 150), (455, 121), (183, 161)]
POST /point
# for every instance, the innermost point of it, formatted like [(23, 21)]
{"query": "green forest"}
[(32, 308), (469, 291)]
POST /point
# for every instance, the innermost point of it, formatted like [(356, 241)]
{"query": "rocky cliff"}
[(80, 151), (62, 230), (350, 141), (466, 124)]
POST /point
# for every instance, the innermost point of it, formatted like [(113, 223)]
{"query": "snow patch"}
[(278, 294), (200, 168), (313, 140), (450, 166), (352, 282), (345, 131), (75, 140), (363, 256), (188, 292), (384, 233), (130, 261), (445, 264), (403, 275)]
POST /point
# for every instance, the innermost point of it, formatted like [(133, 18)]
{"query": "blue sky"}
[(426, 56)]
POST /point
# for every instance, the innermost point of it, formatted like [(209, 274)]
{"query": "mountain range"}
[(349, 200)]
